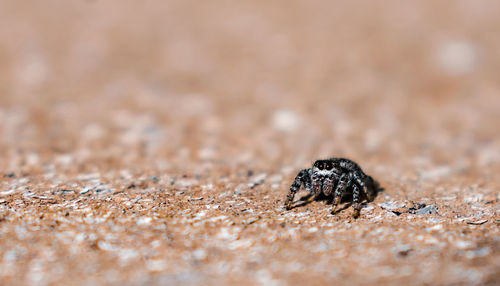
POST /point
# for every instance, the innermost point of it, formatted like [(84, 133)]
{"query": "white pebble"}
[(156, 265), (456, 57), (144, 221), (312, 229), (199, 254), (285, 120)]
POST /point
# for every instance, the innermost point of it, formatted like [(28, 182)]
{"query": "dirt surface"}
[(147, 143)]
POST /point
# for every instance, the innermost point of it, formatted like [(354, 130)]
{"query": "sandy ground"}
[(148, 143)]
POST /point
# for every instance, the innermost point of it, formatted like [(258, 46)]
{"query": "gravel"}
[(155, 144), (428, 210)]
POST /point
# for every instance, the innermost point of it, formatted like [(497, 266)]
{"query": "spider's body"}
[(334, 177)]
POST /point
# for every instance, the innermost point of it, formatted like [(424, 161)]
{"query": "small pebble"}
[(285, 120), (478, 222), (430, 209)]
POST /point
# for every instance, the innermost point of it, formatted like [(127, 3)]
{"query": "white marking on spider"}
[(323, 172)]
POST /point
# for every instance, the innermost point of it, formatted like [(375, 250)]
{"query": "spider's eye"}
[(329, 166)]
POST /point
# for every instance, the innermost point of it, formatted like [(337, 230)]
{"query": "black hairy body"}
[(333, 178)]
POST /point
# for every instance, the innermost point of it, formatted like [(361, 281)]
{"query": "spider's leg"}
[(302, 178), (310, 186), (339, 190), (361, 179), (355, 200), (307, 181)]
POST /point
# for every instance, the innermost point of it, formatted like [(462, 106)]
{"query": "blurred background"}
[(249, 82), (220, 92)]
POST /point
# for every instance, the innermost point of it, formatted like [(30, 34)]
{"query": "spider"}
[(335, 176)]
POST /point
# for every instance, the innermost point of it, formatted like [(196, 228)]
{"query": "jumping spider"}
[(336, 176)]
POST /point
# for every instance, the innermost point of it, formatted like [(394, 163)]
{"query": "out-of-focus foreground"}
[(154, 143)]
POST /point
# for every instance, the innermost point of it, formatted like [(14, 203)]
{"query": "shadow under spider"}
[(307, 199), (346, 198)]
